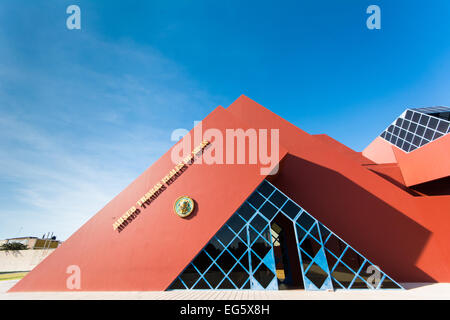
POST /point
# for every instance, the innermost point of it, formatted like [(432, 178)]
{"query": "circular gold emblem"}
[(183, 206)]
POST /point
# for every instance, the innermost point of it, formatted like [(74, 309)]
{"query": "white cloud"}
[(74, 136)]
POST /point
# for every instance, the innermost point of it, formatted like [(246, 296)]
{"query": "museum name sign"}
[(158, 188)]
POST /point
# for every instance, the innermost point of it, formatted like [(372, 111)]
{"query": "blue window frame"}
[(241, 253)]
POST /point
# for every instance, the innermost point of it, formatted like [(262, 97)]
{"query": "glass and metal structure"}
[(241, 255), (415, 128)]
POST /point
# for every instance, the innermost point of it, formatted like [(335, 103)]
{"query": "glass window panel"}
[(214, 276), (177, 284), (189, 276), (255, 261), (305, 220), (422, 142), (201, 284), (412, 127), (315, 232), (237, 248), (335, 245), (359, 283), (416, 140), (331, 260), (258, 223), (263, 275), (265, 188), (420, 130), (278, 198), (443, 126), (226, 261), (316, 275), (409, 137), (310, 246), (226, 284), (336, 285), (402, 133), (236, 223), (253, 235), (352, 259), (433, 123), (245, 261), (424, 120), (399, 121), (389, 284), (266, 234), (238, 275), (388, 136), (202, 261), (246, 211), (390, 128), (409, 115), (261, 247), (437, 135), (343, 274), (268, 210), (405, 124), (383, 134), (429, 134), (243, 235), (416, 117), (406, 146), (225, 235), (256, 200), (300, 233), (291, 209), (324, 232), (214, 248), (396, 130)]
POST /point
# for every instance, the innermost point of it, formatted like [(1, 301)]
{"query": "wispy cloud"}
[(80, 125)]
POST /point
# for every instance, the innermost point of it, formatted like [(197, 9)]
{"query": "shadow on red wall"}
[(384, 235)]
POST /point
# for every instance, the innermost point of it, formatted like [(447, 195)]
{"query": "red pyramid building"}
[(389, 205)]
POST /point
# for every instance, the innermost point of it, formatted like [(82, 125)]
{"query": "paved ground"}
[(414, 291)]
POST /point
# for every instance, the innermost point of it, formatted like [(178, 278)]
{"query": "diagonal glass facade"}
[(417, 127), (241, 254)]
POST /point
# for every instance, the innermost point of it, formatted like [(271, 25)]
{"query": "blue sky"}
[(83, 112)]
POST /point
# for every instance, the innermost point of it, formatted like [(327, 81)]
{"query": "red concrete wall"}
[(380, 151), (427, 163), (154, 248)]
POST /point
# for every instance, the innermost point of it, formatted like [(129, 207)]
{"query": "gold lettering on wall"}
[(158, 188)]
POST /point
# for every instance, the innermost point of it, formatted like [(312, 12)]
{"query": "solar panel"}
[(429, 110), (416, 127)]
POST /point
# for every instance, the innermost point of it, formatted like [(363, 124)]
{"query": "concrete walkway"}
[(415, 291)]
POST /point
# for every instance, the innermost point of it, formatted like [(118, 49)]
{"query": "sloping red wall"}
[(427, 163), (154, 248), (406, 235), (380, 151)]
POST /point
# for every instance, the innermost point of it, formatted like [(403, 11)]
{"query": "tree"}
[(13, 246)]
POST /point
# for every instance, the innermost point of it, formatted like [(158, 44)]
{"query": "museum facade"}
[(304, 212)]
